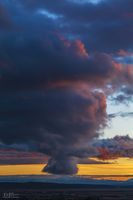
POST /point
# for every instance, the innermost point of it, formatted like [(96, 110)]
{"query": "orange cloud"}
[(124, 53), (80, 49), (105, 154), (76, 46)]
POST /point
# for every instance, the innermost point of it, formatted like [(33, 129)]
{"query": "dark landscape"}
[(52, 191)]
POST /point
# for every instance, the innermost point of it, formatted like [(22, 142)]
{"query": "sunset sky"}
[(66, 87)]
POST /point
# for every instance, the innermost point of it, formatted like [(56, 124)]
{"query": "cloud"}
[(20, 154), (63, 165), (70, 62), (105, 26), (90, 161), (5, 22), (119, 146), (125, 95), (124, 53), (122, 98), (121, 114)]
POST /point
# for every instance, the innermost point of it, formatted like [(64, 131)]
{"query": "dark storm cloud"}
[(106, 25), (34, 110), (56, 110), (5, 22), (70, 61), (56, 122), (52, 88)]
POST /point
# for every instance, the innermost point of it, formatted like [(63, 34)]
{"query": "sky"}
[(119, 125), (66, 82)]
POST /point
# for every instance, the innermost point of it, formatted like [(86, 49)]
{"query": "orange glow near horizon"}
[(120, 166), (118, 169)]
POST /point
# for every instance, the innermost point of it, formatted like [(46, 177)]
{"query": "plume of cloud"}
[(63, 165)]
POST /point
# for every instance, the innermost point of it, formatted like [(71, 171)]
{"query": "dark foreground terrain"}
[(49, 191)]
